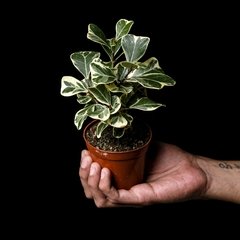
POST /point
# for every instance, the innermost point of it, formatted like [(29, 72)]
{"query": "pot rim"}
[(112, 152)]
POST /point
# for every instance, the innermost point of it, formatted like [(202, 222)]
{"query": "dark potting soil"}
[(134, 137)]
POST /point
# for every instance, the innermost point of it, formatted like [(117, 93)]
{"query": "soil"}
[(134, 137)]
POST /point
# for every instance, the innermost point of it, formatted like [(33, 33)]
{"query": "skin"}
[(172, 175)]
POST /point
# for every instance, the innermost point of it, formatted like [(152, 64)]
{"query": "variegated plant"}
[(109, 90)]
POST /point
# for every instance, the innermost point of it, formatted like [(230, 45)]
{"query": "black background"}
[(197, 44)]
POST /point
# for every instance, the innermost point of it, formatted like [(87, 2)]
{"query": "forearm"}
[(223, 179)]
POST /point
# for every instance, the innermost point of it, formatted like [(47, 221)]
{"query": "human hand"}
[(172, 175)]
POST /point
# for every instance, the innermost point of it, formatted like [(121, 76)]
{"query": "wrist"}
[(223, 179)]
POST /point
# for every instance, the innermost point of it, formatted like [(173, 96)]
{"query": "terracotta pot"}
[(127, 167)]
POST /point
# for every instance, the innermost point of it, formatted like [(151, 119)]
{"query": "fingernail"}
[(92, 170), (84, 153), (103, 173), (85, 162)]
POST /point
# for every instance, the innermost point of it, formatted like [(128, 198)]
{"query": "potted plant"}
[(110, 92)]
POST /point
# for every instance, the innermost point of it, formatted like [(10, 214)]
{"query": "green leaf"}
[(123, 27), (80, 117), (150, 78), (82, 60), (134, 47), (101, 94), (116, 104), (145, 104), (101, 74), (100, 128), (96, 35), (71, 86), (98, 111)]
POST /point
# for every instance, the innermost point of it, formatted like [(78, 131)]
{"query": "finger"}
[(105, 185), (107, 189), (113, 196), (137, 196), (105, 181), (85, 153), (84, 170), (93, 183)]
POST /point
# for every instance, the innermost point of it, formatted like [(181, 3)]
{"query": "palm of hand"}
[(172, 175)]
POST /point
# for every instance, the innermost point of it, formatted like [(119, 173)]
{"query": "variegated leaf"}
[(71, 86), (125, 99), (137, 91), (118, 132), (87, 83), (123, 27), (101, 74), (125, 88), (118, 121), (145, 104), (101, 94), (128, 117), (82, 60), (108, 49), (121, 71), (134, 47), (150, 78), (80, 117), (117, 47), (130, 65), (98, 111), (100, 128), (151, 63), (116, 104), (96, 35), (83, 99)]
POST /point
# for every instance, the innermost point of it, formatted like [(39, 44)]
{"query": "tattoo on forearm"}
[(229, 165)]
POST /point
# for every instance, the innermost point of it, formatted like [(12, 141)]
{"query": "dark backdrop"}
[(198, 45)]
